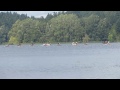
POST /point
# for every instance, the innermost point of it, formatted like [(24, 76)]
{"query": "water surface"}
[(91, 61)]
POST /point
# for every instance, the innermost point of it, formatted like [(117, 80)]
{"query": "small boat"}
[(106, 43), (58, 44), (7, 45), (32, 44), (74, 43), (47, 44)]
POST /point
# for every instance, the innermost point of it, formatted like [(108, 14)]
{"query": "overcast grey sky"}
[(34, 13)]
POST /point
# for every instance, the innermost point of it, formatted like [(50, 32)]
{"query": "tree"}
[(13, 40), (102, 29), (64, 28), (86, 39), (112, 34), (118, 26), (90, 26), (27, 30), (3, 34)]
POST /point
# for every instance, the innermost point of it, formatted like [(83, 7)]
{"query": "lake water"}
[(92, 61)]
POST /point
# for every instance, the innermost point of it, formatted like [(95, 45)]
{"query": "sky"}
[(36, 14)]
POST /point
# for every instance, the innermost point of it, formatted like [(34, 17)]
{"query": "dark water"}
[(94, 60)]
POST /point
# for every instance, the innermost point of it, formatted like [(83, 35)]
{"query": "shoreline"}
[(59, 42)]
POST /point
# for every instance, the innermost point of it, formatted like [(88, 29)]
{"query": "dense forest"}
[(60, 26)]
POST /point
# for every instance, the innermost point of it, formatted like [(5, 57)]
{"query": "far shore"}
[(57, 43)]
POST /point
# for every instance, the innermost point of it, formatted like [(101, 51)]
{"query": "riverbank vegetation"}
[(69, 26)]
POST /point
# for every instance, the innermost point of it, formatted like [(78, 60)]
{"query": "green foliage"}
[(60, 27), (13, 40), (86, 39), (8, 18), (3, 34), (65, 28), (118, 26), (27, 30), (112, 35)]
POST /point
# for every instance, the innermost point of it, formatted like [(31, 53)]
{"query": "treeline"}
[(7, 19), (61, 26)]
